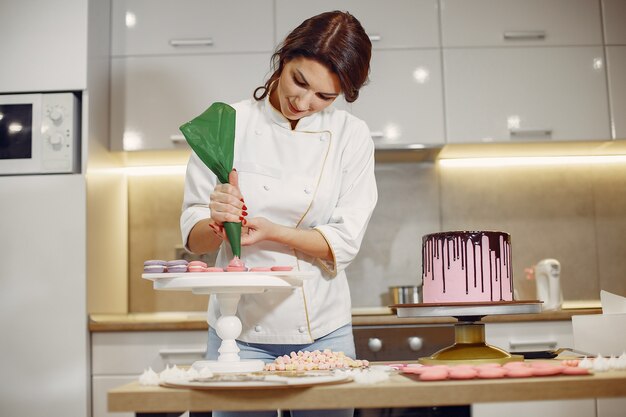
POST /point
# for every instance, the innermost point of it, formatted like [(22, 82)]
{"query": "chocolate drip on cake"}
[(452, 249)]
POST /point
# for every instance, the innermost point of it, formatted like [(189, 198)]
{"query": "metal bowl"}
[(406, 294)]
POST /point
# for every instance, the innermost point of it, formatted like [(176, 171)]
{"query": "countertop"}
[(398, 391), (370, 316)]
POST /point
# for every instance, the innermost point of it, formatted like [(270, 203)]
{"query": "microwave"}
[(39, 133)]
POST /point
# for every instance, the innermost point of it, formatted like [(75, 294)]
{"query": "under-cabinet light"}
[(530, 161)]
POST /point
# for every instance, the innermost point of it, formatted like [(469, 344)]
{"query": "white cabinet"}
[(524, 93), (148, 27), (533, 336), (44, 45), (614, 16), (403, 103), (172, 59), (392, 24), (152, 96), (120, 357), (520, 22), (616, 66)]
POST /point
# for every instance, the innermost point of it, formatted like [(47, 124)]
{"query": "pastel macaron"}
[(154, 266), (260, 269), (214, 269), (236, 269), (196, 266), (282, 268), (177, 266)]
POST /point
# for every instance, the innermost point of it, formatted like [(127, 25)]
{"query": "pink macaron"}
[(282, 268), (196, 266)]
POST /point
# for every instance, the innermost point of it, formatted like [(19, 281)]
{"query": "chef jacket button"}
[(302, 329), (258, 132), (266, 187), (322, 138), (307, 190), (258, 328)]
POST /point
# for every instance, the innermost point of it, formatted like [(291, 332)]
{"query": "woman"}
[(303, 187)]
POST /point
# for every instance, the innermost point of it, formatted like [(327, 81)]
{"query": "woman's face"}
[(305, 87)]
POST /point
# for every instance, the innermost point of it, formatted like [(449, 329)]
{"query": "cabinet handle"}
[(415, 343), (180, 352), (377, 135), (375, 38), (549, 344), (530, 132), (524, 35), (191, 42), (177, 138), (375, 344)]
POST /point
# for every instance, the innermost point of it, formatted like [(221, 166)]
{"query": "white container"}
[(548, 281)]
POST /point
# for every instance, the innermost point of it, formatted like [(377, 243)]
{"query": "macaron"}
[(282, 268), (260, 269), (154, 266), (214, 269), (196, 266), (236, 269), (177, 266)]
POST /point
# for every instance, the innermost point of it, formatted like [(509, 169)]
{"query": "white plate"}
[(227, 282), (255, 382)]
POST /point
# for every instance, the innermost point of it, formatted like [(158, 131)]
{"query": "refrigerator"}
[(44, 361)]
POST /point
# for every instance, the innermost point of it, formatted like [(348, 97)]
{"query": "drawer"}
[(148, 27), (130, 353), (530, 336), (400, 343), (520, 22), (390, 24)]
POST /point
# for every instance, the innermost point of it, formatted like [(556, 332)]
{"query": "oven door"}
[(20, 134)]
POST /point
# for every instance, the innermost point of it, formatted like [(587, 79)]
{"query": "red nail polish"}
[(244, 222), (240, 217), (244, 207), (241, 199), (244, 213)]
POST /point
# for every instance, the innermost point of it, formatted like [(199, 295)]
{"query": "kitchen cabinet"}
[(152, 96), (402, 23), (405, 58), (156, 27), (616, 67), (614, 16), (520, 23), (525, 94), (403, 103), (121, 357), (44, 46), (171, 60), (533, 336)]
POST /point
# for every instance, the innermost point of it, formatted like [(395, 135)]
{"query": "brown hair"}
[(334, 39)]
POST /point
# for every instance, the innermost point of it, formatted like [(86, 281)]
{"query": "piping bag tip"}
[(233, 232)]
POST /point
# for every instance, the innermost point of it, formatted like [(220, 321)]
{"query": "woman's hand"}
[(226, 202), (258, 229)]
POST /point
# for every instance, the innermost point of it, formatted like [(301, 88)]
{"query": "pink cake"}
[(466, 267)]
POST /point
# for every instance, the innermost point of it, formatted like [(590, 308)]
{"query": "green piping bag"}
[(212, 137)]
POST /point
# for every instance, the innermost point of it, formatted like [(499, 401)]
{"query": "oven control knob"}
[(56, 140), (375, 344), (415, 343), (56, 114)]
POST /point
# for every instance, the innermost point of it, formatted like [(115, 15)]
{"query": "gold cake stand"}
[(469, 333)]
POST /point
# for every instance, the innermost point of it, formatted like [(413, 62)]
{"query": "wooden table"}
[(398, 391)]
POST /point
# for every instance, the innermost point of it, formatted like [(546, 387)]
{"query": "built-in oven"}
[(39, 133), (401, 343)]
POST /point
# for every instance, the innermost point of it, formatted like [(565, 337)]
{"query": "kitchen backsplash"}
[(576, 214)]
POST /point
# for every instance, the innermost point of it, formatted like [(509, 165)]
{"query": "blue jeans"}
[(340, 340)]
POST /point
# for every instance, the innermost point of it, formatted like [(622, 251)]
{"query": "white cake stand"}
[(228, 287), (469, 334)]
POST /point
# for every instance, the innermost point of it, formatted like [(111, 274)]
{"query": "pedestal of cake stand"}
[(228, 288), (228, 328), (469, 334)]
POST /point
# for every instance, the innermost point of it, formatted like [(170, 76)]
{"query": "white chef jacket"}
[(321, 176)]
